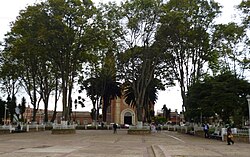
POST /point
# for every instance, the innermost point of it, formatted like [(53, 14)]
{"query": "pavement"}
[(103, 143)]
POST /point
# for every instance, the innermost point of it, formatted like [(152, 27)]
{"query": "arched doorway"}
[(128, 118)]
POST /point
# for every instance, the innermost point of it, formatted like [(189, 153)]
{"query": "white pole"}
[(248, 100)]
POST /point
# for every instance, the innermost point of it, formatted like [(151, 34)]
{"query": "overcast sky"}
[(9, 9)]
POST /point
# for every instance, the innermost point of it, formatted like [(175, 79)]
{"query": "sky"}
[(9, 10)]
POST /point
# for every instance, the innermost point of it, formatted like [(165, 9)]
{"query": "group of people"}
[(229, 134), (155, 128)]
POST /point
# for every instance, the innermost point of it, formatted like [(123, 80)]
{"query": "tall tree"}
[(102, 82), (139, 61), (140, 20), (184, 34), (71, 44), (26, 46), (50, 41)]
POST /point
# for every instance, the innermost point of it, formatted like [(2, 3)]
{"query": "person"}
[(206, 129), (18, 127), (115, 128), (159, 127), (102, 124), (229, 136), (153, 128)]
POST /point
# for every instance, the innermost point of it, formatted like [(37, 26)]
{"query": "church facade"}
[(121, 113)]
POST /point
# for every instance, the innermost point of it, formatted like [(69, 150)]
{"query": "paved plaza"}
[(103, 143)]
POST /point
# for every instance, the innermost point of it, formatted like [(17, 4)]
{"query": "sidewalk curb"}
[(158, 152)]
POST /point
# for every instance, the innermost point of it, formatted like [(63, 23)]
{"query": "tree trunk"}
[(55, 107), (64, 98)]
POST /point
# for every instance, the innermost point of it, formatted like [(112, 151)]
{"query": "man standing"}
[(115, 127), (206, 129)]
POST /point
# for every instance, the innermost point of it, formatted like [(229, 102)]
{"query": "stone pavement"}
[(103, 143)]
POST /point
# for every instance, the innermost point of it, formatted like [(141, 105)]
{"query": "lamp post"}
[(5, 108), (248, 100)]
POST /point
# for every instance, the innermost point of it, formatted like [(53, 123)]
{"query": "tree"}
[(223, 95), (109, 87), (183, 33), (76, 41), (11, 105), (25, 46), (244, 7), (103, 87), (9, 75), (51, 41), (227, 41), (149, 99), (2, 111), (140, 59)]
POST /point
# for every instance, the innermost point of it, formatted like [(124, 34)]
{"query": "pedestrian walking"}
[(206, 129), (229, 136), (115, 128)]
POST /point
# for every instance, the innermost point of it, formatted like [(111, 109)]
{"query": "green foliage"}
[(222, 95), (245, 8), (160, 120), (227, 42), (184, 35), (50, 41)]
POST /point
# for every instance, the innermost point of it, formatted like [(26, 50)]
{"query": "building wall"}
[(76, 116), (119, 112)]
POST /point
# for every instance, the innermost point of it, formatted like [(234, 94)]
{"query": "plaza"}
[(103, 143)]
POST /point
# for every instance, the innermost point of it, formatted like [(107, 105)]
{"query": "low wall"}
[(34, 128), (139, 131), (63, 131), (4, 131)]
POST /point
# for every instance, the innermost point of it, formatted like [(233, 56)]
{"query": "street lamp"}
[(5, 108), (248, 100)]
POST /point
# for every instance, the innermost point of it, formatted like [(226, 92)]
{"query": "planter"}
[(134, 130), (63, 131), (4, 131), (139, 131)]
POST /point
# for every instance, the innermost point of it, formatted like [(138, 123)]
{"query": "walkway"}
[(103, 143)]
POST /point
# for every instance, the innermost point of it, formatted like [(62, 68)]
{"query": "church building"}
[(121, 113)]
